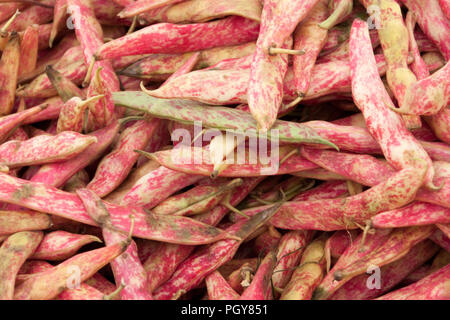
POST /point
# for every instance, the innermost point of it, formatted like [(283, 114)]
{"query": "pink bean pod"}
[(44, 149), (415, 214), (399, 146), (365, 169), (218, 288), (310, 38), (114, 167), (117, 195), (8, 9), (392, 274), (39, 197), (57, 173), (127, 267), (31, 15), (13, 253), (153, 39), (28, 50), (165, 180), (9, 70), (445, 6), (289, 253), (8, 123), (50, 283), (433, 287), (265, 87), (60, 245), (260, 287)]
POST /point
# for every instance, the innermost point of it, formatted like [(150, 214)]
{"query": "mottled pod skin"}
[(416, 214), (28, 50), (392, 274), (57, 173), (44, 149), (308, 274), (114, 167), (428, 96), (31, 15), (173, 229), (60, 245), (436, 286), (265, 87), (8, 123), (163, 181), (15, 221), (218, 288), (310, 38), (48, 284), (138, 7), (154, 39), (9, 69), (13, 253), (445, 6), (260, 287), (399, 146), (290, 250), (127, 267)]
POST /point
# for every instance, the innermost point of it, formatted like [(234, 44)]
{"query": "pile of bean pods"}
[(113, 186)]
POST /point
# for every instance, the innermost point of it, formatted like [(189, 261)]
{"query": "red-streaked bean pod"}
[(60, 245)]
